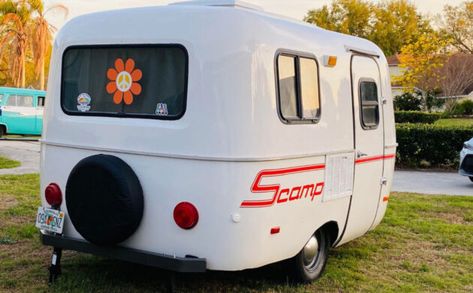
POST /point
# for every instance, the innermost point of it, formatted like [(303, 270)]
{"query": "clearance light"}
[(186, 215), (53, 194), (330, 61), (275, 230)]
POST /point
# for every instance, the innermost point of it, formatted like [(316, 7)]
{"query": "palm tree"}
[(15, 22), (42, 36)]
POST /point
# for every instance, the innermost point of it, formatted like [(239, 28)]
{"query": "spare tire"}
[(104, 199)]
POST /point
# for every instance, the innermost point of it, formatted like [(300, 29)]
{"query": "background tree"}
[(391, 25), (422, 60), (396, 24), (15, 25), (457, 22), (351, 17), (457, 75), (42, 37)]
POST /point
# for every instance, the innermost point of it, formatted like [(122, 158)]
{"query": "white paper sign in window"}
[(339, 176)]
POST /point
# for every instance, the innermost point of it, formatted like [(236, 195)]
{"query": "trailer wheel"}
[(309, 264)]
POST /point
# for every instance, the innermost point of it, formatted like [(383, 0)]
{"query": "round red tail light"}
[(53, 194), (186, 215)]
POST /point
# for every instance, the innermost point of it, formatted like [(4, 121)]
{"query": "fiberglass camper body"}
[(213, 136)]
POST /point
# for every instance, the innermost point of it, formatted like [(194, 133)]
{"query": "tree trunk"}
[(41, 75)]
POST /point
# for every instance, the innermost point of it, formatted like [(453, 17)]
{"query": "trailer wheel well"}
[(3, 129), (331, 228)]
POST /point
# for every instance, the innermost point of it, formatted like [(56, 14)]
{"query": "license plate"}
[(50, 220)]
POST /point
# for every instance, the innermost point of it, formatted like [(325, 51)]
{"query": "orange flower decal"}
[(123, 81)]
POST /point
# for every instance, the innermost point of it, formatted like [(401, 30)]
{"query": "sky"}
[(289, 8)]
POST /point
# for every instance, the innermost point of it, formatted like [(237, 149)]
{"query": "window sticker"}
[(162, 109), (83, 102), (124, 81)]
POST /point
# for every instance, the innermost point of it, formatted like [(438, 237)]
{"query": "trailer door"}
[(369, 145)]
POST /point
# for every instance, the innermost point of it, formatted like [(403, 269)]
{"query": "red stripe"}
[(375, 158)]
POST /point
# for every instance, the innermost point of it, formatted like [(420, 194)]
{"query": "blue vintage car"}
[(21, 111)]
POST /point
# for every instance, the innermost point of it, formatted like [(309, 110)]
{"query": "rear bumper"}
[(178, 264)]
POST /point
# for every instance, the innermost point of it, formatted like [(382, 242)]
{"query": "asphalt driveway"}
[(27, 152), (432, 183)]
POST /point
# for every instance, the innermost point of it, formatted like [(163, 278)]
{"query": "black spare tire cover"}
[(104, 199)]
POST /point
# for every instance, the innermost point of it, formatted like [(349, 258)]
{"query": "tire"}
[(305, 268), (104, 199), (2, 130), (471, 178)]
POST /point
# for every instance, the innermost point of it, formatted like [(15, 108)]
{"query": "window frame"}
[(300, 112), (123, 115), (370, 103)]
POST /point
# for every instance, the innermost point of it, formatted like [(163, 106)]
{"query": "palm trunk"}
[(41, 75), (23, 71)]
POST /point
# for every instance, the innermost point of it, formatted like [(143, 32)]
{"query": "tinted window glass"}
[(11, 101), (41, 101), (146, 81), (287, 87), (309, 88), (24, 101), (369, 104)]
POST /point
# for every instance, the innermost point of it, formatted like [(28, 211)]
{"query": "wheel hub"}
[(310, 251)]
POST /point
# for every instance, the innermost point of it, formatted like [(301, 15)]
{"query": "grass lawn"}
[(6, 163), (467, 122), (424, 244)]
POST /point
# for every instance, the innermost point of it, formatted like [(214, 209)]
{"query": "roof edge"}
[(227, 3)]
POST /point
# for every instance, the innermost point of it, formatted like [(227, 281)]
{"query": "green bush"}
[(422, 145), (416, 117), (463, 108), (408, 102)]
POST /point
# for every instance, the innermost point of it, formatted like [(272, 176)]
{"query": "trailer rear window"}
[(298, 89), (127, 81)]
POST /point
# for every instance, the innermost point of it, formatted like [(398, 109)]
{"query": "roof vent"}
[(228, 3)]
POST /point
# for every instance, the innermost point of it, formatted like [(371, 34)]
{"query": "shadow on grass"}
[(88, 273)]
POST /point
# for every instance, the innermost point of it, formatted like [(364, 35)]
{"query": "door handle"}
[(360, 154)]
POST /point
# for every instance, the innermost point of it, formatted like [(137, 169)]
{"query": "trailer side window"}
[(288, 87), (298, 89), (369, 104)]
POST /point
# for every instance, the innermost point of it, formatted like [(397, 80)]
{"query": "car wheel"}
[(471, 178), (309, 264), (2, 131)]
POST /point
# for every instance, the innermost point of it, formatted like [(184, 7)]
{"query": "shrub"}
[(438, 146), (464, 108), (408, 102), (416, 117)]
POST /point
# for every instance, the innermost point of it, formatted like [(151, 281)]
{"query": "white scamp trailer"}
[(213, 136)]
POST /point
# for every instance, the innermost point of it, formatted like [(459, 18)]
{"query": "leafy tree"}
[(422, 60), (42, 37), (458, 24), (397, 23), (390, 25), (351, 17), (15, 23), (25, 42)]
